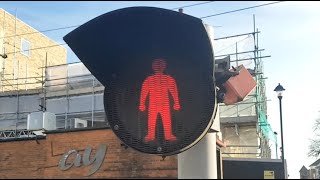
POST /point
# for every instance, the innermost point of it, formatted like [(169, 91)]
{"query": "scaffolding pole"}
[(14, 69), (238, 35), (93, 102), (3, 48)]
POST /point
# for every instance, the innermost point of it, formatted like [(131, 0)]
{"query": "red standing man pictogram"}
[(158, 86)]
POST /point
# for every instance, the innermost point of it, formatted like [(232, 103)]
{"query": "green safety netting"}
[(265, 127), (264, 124)]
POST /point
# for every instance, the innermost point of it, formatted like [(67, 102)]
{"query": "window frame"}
[(26, 53)]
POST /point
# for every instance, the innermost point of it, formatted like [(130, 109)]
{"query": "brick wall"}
[(27, 159), (22, 159)]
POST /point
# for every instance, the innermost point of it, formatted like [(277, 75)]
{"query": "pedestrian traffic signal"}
[(158, 87), (157, 69)]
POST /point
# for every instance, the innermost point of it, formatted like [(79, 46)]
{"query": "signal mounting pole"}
[(200, 161)]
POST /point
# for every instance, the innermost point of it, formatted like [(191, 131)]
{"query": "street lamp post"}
[(275, 133), (279, 89)]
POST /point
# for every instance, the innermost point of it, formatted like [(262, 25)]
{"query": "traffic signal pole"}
[(200, 161)]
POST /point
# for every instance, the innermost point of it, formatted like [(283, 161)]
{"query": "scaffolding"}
[(245, 127), (14, 134), (69, 91)]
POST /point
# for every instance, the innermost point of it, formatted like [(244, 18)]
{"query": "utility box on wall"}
[(76, 123), (41, 120)]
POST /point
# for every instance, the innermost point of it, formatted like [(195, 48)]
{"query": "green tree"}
[(314, 147)]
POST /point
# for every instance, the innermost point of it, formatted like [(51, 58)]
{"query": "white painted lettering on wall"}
[(96, 161)]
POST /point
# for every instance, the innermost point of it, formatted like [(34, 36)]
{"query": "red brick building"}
[(39, 158)]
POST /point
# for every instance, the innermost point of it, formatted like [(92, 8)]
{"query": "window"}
[(25, 47)]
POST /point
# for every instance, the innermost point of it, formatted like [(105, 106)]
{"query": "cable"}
[(68, 27), (39, 48), (241, 9), (193, 5), (66, 44), (40, 31), (171, 9), (174, 8), (233, 44)]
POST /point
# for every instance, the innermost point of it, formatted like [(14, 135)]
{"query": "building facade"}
[(24, 52), (312, 173), (304, 173)]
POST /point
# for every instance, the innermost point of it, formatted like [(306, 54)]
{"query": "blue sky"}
[(290, 33)]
